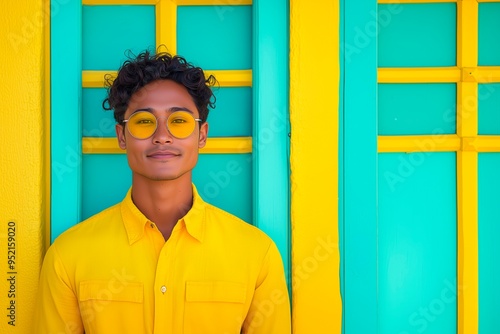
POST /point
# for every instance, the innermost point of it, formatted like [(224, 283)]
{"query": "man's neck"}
[(163, 202)]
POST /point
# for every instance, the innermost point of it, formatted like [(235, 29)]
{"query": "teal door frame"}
[(271, 189), (271, 141), (358, 167), (66, 115)]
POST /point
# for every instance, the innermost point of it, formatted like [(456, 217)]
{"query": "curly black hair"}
[(138, 71)]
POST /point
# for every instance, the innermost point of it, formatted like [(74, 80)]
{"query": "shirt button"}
[(163, 289), (152, 225)]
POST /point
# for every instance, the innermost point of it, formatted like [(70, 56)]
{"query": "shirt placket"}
[(164, 286)]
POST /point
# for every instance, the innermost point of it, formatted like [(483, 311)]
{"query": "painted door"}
[(243, 169), (421, 139)]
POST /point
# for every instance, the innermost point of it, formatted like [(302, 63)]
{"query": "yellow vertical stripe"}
[(317, 306), (22, 152), (467, 117), (467, 230), (467, 29), (46, 127), (467, 160), (166, 25)]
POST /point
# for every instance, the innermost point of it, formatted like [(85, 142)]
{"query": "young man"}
[(162, 260)]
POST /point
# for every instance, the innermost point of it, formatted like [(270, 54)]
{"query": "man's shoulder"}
[(89, 228)]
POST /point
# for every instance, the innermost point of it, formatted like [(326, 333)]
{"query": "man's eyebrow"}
[(144, 109), (170, 109), (181, 109)]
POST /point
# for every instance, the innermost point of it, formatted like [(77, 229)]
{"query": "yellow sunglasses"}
[(143, 124)]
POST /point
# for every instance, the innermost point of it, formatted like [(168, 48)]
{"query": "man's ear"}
[(202, 140), (120, 135)]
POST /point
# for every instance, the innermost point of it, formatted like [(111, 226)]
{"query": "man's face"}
[(162, 156)]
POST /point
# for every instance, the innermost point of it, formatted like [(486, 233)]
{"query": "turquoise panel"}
[(416, 109), (225, 180), (105, 181), (417, 243), (232, 116), (222, 180), (271, 140), (488, 37), (65, 116), (412, 35), (110, 31), (489, 247), (96, 121), (215, 37), (489, 109), (340, 148), (358, 168)]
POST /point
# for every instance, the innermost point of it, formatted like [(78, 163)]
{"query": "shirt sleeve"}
[(57, 310), (270, 308)]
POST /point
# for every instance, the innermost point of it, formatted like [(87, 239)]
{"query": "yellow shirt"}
[(114, 273)]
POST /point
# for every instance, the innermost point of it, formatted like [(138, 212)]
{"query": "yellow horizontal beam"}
[(227, 145), (226, 78), (419, 74), (426, 143), (119, 2), (412, 1), (232, 78), (178, 2), (438, 143), (482, 144), (481, 74), (487, 74), (95, 79), (213, 2)]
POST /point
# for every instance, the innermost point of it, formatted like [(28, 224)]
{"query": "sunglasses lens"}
[(181, 124), (142, 125)]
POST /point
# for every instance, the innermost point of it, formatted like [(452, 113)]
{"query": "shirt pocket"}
[(112, 306), (215, 307)]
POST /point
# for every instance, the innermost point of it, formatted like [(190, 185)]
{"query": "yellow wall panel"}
[(22, 149), (317, 306)]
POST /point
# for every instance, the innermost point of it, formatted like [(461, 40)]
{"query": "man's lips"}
[(163, 154)]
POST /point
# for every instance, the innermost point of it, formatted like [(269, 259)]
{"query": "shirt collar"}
[(134, 220)]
